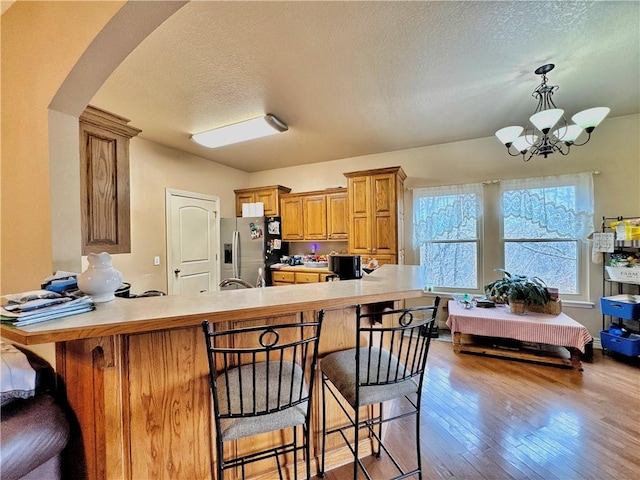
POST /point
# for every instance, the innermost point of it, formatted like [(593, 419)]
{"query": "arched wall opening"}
[(122, 34)]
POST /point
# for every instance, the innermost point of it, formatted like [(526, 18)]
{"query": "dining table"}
[(544, 338)]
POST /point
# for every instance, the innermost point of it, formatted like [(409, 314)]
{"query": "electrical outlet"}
[(156, 261)]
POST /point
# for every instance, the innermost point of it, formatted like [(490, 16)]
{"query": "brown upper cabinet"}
[(337, 216), (318, 215), (104, 181), (269, 196), (376, 214), (291, 215), (314, 217)]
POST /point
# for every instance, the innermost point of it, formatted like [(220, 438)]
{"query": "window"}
[(544, 221), (535, 227), (446, 223)]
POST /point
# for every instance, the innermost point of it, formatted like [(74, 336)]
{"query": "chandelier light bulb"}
[(546, 119), (525, 142), (568, 134), (508, 134), (589, 119)]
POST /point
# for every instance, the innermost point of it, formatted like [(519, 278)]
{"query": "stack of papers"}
[(41, 305)]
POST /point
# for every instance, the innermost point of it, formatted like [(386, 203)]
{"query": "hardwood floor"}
[(489, 418)]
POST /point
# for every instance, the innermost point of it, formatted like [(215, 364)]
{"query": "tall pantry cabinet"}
[(376, 214)]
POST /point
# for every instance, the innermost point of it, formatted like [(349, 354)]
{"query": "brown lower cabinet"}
[(292, 277)]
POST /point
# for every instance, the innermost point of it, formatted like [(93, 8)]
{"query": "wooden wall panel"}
[(170, 405), (92, 372)]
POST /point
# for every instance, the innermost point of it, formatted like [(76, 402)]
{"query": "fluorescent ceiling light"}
[(240, 132)]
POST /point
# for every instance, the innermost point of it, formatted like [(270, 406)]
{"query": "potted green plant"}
[(518, 291)]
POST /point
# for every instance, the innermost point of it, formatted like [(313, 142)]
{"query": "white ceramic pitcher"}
[(100, 280)]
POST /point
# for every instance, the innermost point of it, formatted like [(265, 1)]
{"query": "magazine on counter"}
[(40, 305)]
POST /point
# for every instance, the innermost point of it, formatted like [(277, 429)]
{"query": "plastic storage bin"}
[(621, 306), (624, 274), (629, 346)]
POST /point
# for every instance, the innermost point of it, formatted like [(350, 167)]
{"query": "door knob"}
[(176, 271)]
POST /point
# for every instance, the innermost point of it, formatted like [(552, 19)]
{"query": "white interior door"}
[(192, 242)]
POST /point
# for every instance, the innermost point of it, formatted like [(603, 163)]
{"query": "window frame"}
[(453, 190), (582, 247)]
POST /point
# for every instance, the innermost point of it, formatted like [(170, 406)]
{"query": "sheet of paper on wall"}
[(603, 242)]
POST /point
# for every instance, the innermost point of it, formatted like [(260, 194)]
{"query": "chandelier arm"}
[(588, 138), (557, 147), (530, 133), (547, 102), (512, 154)]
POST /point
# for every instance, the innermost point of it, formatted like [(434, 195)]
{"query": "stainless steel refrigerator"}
[(250, 243)]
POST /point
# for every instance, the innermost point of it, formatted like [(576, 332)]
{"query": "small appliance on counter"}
[(347, 267)]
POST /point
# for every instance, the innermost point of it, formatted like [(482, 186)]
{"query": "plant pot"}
[(517, 306)]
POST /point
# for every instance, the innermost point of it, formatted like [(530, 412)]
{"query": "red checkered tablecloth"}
[(559, 330)]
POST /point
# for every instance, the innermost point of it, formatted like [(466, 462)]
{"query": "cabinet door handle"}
[(176, 271)]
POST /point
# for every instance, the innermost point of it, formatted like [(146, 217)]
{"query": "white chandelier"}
[(538, 139)]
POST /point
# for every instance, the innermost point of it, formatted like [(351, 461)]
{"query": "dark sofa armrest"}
[(31, 432)]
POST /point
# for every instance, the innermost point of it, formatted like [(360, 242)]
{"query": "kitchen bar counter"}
[(138, 315), (136, 374)]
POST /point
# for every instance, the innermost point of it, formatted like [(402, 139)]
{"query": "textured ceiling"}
[(355, 78)]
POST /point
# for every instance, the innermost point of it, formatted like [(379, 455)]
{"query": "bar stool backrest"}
[(275, 360), (392, 345)]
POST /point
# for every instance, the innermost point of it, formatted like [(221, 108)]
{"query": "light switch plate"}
[(156, 261)]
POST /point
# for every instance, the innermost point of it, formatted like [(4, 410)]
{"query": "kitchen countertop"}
[(138, 315)]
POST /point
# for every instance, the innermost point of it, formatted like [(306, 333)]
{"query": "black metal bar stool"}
[(258, 383), (388, 363)]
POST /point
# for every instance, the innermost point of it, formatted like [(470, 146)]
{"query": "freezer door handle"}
[(236, 254)]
